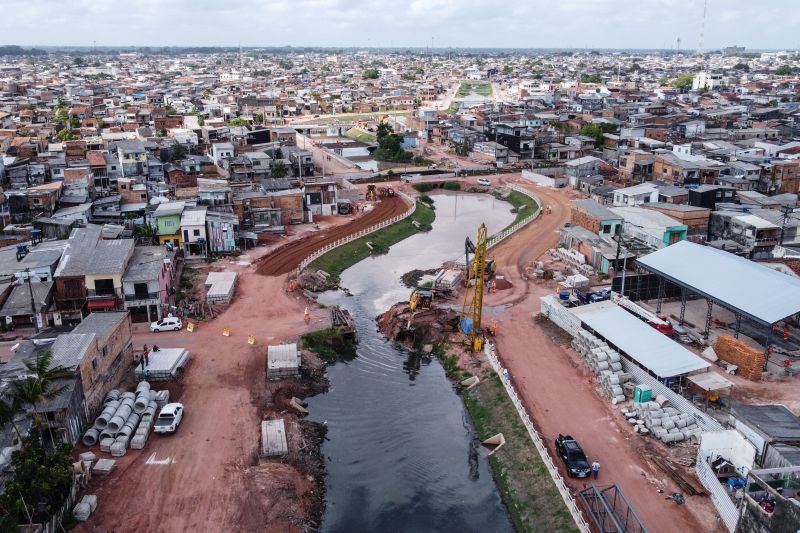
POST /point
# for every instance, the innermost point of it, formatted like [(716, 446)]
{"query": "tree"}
[(171, 110), (41, 481), (390, 145), (384, 129), (370, 74), (61, 116), (40, 386), (683, 82), (145, 234), (741, 66), (590, 78), (178, 151), (258, 118), (238, 121), (507, 69), (784, 70), (78, 62), (596, 131), (279, 170), (74, 123), (66, 135)]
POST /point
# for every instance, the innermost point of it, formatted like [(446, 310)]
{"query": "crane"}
[(471, 309)]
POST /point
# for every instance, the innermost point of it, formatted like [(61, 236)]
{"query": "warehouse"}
[(745, 288), (641, 343)]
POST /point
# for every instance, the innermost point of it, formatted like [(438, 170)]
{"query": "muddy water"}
[(401, 453)]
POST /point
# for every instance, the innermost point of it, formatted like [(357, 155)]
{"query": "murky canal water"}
[(401, 451)]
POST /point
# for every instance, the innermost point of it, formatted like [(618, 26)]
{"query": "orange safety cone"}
[(306, 315)]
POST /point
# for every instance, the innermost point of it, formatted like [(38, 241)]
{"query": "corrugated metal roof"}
[(758, 292), (639, 341), (68, 349)]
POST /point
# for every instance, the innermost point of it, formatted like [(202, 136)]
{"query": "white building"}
[(193, 227), (644, 193)]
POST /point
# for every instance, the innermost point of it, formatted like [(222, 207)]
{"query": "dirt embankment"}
[(286, 258), (288, 493), (427, 326)]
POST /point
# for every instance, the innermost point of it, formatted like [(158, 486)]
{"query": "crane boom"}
[(472, 307)]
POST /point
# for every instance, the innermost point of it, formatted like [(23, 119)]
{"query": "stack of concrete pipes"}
[(145, 424), (664, 422), (120, 418), (605, 361)]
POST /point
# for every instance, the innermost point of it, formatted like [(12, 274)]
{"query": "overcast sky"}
[(398, 23)]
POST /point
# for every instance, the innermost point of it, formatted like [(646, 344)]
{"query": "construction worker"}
[(306, 315), (785, 333), (494, 329)]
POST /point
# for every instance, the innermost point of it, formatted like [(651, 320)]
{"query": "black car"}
[(572, 454)]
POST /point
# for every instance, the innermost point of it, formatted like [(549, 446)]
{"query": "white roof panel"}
[(638, 340), (758, 292)]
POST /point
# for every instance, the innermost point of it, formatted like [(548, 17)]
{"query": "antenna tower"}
[(702, 28)]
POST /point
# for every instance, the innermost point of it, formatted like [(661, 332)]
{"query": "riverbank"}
[(522, 205), (532, 500), (339, 259)]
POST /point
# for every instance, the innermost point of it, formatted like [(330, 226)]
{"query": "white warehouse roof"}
[(756, 291), (638, 340)]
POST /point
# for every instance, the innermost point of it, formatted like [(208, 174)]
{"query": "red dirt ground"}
[(560, 395), (286, 258)]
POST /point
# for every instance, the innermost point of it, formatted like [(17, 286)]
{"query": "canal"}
[(401, 453)]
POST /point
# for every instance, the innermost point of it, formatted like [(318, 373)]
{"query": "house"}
[(756, 236), (221, 231), (581, 167), (643, 193), (16, 310), (168, 222), (320, 197), (220, 151), (132, 157), (89, 274), (694, 218), (595, 217), (193, 228), (653, 229), (148, 282), (709, 196), (686, 170), (490, 151)]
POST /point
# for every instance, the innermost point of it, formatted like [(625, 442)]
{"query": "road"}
[(560, 393)]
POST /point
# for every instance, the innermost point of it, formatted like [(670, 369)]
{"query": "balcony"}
[(103, 299), (139, 296)]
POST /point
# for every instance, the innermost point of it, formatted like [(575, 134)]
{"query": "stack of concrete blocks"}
[(220, 287), (605, 361), (162, 398), (145, 424), (86, 507), (666, 423)]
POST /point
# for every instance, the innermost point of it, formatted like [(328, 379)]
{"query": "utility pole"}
[(33, 301), (786, 211)]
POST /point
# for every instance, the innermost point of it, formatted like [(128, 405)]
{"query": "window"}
[(196, 233), (94, 363), (186, 235)]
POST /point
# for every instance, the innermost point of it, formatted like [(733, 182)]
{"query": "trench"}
[(401, 453)]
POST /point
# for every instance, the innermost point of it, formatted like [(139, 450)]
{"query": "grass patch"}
[(532, 499), (523, 205), (361, 135), (423, 187), (452, 109), (337, 260), (328, 344), (452, 186), (483, 88)]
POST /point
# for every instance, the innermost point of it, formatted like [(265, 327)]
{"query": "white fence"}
[(722, 501), (497, 238), (572, 506), (344, 240)]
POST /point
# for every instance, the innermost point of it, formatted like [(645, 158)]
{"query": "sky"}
[(764, 24)]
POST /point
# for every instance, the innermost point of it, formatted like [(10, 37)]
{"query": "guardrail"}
[(497, 238), (570, 502), (350, 238)]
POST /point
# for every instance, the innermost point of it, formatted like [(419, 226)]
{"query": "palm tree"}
[(8, 411), (40, 387), (145, 234)]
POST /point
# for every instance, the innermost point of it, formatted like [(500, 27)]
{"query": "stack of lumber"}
[(749, 360)]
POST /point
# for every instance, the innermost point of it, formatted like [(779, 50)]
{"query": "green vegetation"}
[(452, 109), (279, 170), (452, 186), (390, 145), (178, 151), (741, 66), (596, 131), (532, 499), (329, 344), (683, 82), (523, 205), (591, 78), (361, 135), (370, 74), (337, 260), (238, 121), (483, 88), (784, 70)]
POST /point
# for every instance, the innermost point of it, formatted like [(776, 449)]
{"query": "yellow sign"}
[(190, 327), (226, 332), (251, 339)]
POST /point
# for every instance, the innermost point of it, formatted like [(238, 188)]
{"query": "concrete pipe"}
[(617, 391), (680, 424), (616, 366), (613, 357), (91, 437), (602, 365), (602, 356), (112, 395), (108, 413), (126, 395), (667, 424), (133, 420), (142, 387), (655, 422), (153, 395), (141, 403), (119, 418), (107, 434)]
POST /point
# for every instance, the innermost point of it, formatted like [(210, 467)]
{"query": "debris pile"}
[(316, 280), (426, 325)]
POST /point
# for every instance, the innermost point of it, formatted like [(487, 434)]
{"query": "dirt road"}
[(286, 258), (560, 394)]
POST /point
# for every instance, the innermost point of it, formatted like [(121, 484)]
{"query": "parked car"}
[(169, 418), (485, 182), (167, 324), (572, 454)]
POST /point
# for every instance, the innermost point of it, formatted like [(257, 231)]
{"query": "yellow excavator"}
[(472, 308)]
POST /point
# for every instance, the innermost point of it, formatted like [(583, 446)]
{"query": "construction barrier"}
[(344, 240), (226, 332), (572, 506), (251, 339), (190, 327)]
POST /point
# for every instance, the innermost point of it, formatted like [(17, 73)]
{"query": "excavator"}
[(472, 308)]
